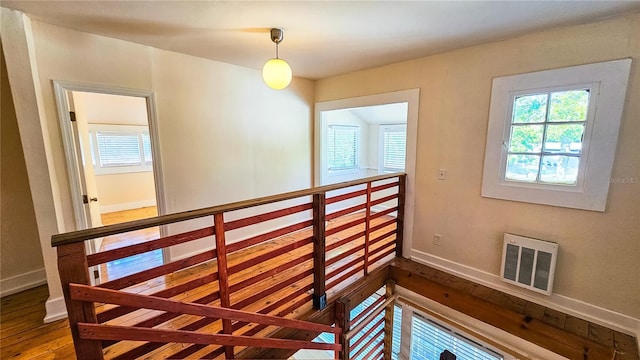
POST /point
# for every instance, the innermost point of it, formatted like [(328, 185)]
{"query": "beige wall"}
[(599, 252), (121, 191), (20, 254), (223, 134)]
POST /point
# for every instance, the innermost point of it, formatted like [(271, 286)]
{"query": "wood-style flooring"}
[(23, 335), (133, 264)]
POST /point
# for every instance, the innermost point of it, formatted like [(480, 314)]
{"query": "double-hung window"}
[(393, 142), (342, 147), (552, 135), (120, 148)]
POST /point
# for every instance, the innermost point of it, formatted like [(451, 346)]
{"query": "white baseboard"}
[(26, 281), (567, 305), (127, 206), (56, 309)]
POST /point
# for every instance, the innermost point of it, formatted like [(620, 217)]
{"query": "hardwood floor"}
[(133, 264), (25, 336)]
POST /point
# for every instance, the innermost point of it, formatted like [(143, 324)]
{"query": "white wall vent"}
[(529, 263)]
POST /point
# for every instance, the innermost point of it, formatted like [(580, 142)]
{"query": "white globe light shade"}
[(276, 73)]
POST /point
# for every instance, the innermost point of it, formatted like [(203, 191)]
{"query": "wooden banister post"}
[(388, 320), (402, 190), (367, 229), (223, 277), (343, 320), (319, 245), (73, 268)]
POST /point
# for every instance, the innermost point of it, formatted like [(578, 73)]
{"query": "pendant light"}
[(276, 72)]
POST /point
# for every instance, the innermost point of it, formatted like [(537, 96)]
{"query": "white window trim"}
[(381, 130), (137, 129), (608, 81)]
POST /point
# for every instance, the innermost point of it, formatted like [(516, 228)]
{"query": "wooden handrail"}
[(87, 234)]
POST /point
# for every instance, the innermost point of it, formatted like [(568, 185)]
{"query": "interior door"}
[(86, 174)]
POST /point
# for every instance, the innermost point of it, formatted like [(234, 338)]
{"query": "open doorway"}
[(373, 112), (362, 141), (109, 141)]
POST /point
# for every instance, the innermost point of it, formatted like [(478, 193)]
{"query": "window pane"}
[(146, 146), (558, 169), (429, 340), (394, 149), (569, 105), (342, 146), (522, 167), (118, 149), (530, 109), (526, 138), (565, 138)]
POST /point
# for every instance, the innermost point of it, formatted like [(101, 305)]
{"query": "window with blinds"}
[(120, 148), (394, 147), (342, 147), (429, 340)]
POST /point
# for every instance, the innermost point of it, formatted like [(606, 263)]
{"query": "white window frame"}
[(345, 170), (381, 154), (406, 337), (139, 130), (607, 82)]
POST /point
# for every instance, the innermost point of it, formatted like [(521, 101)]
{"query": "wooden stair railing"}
[(332, 235), (94, 331)]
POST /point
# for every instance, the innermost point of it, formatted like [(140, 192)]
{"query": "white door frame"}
[(412, 97), (61, 88)]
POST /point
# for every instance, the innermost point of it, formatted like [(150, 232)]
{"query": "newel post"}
[(319, 242), (73, 269), (343, 320), (388, 320), (402, 190)]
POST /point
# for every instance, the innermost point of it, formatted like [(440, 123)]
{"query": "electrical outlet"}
[(442, 174), (436, 239)]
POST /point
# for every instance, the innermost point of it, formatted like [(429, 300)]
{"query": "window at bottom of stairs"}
[(429, 340)]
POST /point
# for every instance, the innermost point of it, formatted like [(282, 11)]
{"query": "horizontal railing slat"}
[(165, 269), (126, 251), (89, 293), (337, 229), (166, 293), (340, 256), (268, 255), (255, 240), (350, 195), (252, 220), (383, 212), (267, 274), (346, 211), (384, 186), (112, 332), (344, 241), (383, 199)]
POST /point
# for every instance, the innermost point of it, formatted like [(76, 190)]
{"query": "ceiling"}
[(322, 38)]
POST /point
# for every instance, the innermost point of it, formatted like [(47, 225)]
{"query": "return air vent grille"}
[(529, 263)]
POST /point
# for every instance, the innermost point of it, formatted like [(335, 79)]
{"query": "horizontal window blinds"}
[(342, 147), (118, 149), (429, 340)]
